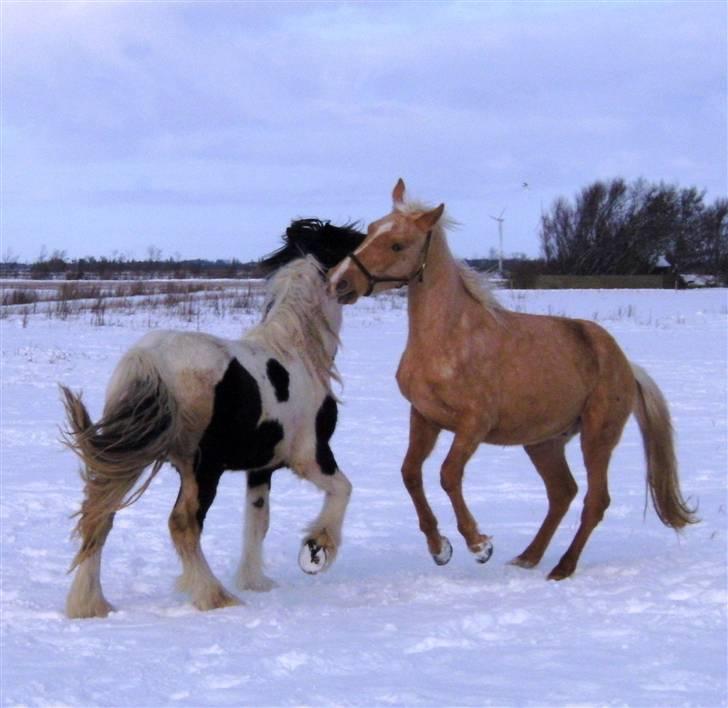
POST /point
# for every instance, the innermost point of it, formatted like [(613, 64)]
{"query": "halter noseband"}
[(373, 280)]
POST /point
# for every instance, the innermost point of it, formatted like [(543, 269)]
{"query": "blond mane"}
[(470, 279), (295, 322)]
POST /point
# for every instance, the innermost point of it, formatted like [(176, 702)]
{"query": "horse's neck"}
[(436, 301), (320, 332), (330, 337)]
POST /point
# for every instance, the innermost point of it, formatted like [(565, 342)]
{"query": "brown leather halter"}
[(373, 280)]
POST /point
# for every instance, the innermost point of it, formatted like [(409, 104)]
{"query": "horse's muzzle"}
[(347, 298), (344, 292), (341, 287)]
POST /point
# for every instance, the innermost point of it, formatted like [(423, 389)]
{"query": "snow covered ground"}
[(642, 622)]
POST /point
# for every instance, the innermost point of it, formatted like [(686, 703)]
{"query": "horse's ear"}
[(427, 220), (398, 192)]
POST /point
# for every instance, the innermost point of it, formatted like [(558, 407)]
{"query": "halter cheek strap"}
[(373, 280)]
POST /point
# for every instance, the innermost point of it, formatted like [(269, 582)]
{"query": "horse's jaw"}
[(348, 298)]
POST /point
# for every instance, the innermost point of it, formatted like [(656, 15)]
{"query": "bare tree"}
[(615, 227), (10, 257)]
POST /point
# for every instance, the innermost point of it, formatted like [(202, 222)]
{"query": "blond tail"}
[(135, 431), (653, 417)]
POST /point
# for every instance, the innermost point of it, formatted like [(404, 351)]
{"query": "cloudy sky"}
[(202, 128)]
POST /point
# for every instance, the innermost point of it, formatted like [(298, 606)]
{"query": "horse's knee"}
[(177, 522), (412, 476), (344, 485), (339, 488), (451, 478), (595, 506), (571, 489), (182, 526), (561, 498)]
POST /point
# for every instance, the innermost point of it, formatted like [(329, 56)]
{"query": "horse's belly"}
[(529, 435), (529, 424), (437, 414), (523, 424)]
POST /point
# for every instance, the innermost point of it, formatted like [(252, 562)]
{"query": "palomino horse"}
[(208, 405), (491, 375)]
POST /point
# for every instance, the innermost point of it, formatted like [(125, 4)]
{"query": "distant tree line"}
[(57, 264), (623, 229), (610, 228)]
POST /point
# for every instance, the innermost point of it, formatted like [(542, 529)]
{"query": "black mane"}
[(328, 244)]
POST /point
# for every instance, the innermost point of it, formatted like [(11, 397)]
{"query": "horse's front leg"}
[(451, 478), (422, 438), (323, 537), (250, 574)]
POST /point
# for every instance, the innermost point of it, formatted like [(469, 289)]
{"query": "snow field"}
[(642, 622)]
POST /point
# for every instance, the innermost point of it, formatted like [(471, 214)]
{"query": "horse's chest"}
[(436, 393)]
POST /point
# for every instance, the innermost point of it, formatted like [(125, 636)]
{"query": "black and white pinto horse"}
[(208, 405)]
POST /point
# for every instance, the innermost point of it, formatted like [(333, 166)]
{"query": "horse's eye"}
[(397, 247)]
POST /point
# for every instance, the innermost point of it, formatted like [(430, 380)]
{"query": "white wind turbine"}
[(500, 221)]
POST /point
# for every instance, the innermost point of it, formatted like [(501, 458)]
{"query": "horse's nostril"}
[(342, 285)]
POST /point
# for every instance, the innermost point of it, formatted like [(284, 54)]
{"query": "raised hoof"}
[(482, 551), (522, 562), (445, 554), (312, 558)]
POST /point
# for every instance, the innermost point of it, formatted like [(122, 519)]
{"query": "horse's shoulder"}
[(404, 373)]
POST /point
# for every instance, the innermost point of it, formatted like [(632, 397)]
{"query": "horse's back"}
[(184, 355), (573, 347)]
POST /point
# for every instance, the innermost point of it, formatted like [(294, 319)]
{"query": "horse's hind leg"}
[(422, 438), (102, 497), (549, 460), (185, 525), (86, 598), (596, 502), (601, 428), (250, 574)]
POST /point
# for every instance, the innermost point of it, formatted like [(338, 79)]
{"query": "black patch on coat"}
[(208, 477), (279, 377), (325, 426), (258, 477), (259, 503), (234, 439)]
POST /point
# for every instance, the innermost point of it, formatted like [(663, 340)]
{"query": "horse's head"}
[(327, 243), (393, 254)]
